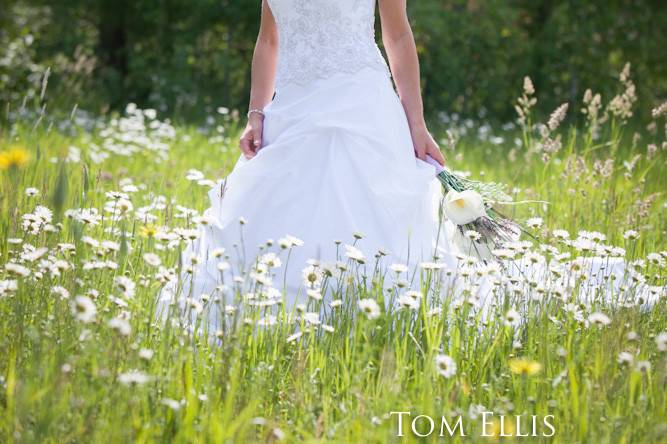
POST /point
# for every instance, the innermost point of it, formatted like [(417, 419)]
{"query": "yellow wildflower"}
[(523, 366), (499, 429), (148, 231), (15, 157)]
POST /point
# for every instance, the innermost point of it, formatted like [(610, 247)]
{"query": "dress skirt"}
[(337, 160)]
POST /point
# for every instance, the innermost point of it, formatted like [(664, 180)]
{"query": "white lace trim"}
[(320, 38)]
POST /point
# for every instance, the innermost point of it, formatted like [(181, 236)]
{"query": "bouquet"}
[(480, 227)]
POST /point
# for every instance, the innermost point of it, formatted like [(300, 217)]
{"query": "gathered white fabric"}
[(337, 159), (320, 38)]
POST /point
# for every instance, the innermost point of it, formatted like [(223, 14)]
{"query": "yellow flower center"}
[(459, 203)]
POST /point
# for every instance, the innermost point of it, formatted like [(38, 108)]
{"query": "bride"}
[(333, 158), (333, 166)]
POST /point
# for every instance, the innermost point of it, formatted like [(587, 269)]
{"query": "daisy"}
[(431, 266), (31, 192), (312, 318), (512, 318), (152, 259), (120, 326), (133, 377), (43, 214), (534, 222), (655, 259), (146, 354), (355, 254), (295, 241), (271, 260), (84, 309), (630, 235), (445, 366), (370, 308), (312, 276), (58, 290), (398, 268), (401, 283), (314, 294), (472, 235), (194, 175), (268, 321), (8, 287), (661, 341), (503, 253), (16, 269), (534, 257), (407, 301), (126, 286), (625, 358), (599, 319), (194, 305), (561, 234), (643, 366), (294, 337)]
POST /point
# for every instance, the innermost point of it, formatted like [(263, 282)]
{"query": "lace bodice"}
[(319, 38)]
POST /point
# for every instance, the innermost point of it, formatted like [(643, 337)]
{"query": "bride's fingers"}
[(420, 153), (256, 139), (437, 155), (246, 148)]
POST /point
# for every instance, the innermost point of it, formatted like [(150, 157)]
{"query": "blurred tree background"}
[(187, 57)]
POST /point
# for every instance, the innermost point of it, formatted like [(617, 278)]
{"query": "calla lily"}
[(464, 207)]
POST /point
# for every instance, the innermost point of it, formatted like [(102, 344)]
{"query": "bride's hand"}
[(251, 138), (424, 144)]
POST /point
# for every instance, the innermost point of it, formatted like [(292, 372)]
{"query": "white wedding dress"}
[(336, 159)]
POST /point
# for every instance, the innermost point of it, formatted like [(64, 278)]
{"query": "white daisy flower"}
[(84, 309), (312, 276), (625, 358), (630, 235), (660, 340), (534, 222), (133, 377), (355, 254), (445, 366), (370, 308), (120, 326), (599, 319), (146, 354), (398, 268), (8, 287), (512, 318), (152, 259), (31, 192)]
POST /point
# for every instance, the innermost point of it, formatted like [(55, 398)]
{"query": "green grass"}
[(61, 378)]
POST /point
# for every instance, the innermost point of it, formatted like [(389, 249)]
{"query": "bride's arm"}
[(264, 61), (402, 53)]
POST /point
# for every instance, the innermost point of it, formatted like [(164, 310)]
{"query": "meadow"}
[(95, 211)]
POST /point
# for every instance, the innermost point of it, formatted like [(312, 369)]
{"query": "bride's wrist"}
[(417, 125), (255, 119), (255, 112), (416, 120)]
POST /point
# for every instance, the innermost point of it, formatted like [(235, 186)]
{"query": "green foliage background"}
[(186, 57)]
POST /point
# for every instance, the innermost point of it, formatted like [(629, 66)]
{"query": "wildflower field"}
[(95, 212)]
